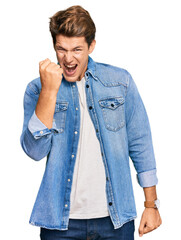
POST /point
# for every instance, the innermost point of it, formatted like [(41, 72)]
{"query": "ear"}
[(92, 46)]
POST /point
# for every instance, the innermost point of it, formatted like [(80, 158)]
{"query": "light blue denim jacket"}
[(122, 128)]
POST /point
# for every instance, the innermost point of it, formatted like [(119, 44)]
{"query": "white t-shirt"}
[(88, 194)]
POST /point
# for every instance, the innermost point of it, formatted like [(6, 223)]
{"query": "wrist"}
[(48, 93), (150, 193), (152, 204)]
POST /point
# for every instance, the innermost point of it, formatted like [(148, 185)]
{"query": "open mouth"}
[(70, 69)]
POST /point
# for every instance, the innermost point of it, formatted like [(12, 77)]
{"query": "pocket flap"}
[(111, 103), (61, 106)]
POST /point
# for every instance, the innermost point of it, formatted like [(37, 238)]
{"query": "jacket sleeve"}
[(139, 137), (36, 137)]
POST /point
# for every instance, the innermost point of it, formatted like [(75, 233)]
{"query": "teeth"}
[(70, 66)]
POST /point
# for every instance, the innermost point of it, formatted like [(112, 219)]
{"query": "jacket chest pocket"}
[(113, 112), (60, 116)]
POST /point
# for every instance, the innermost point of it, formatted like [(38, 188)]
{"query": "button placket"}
[(110, 198), (72, 156)]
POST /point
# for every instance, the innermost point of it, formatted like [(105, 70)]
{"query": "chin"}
[(71, 79)]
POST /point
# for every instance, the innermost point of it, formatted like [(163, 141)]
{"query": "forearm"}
[(33, 140), (51, 77), (150, 193), (45, 107)]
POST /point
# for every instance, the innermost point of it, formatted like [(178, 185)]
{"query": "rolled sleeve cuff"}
[(148, 178), (37, 128)]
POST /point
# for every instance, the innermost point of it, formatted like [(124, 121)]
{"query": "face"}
[(72, 54)]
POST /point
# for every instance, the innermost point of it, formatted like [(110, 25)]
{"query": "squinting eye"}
[(60, 49), (77, 50)]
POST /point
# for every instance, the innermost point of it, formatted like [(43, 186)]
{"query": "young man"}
[(87, 118)]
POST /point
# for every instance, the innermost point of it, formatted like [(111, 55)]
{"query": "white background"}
[(139, 35)]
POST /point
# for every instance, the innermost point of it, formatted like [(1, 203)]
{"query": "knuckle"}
[(41, 69), (47, 60), (52, 64), (156, 226), (151, 227), (48, 70), (58, 66)]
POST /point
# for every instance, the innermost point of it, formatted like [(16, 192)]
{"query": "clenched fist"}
[(50, 75)]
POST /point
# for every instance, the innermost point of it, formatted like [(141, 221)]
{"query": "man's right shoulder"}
[(34, 87)]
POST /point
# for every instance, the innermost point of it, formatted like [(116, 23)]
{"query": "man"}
[(87, 118)]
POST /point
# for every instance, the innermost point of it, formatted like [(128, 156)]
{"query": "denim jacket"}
[(122, 128)]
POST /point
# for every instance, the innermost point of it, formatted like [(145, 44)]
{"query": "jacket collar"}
[(91, 68)]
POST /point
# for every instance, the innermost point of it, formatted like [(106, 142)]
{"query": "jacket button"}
[(110, 203), (112, 105), (97, 130), (90, 107), (87, 86), (107, 178)]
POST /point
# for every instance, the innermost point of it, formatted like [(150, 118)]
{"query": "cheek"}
[(60, 56), (83, 60)]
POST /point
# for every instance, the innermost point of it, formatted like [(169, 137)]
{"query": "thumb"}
[(147, 229)]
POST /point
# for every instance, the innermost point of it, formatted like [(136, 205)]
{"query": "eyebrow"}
[(66, 49)]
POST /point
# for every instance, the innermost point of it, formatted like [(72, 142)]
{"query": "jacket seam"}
[(31, 94)]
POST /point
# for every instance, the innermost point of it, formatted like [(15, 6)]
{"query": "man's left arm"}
[(142, 154)]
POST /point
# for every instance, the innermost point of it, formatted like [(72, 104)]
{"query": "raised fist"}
[(50, 75)]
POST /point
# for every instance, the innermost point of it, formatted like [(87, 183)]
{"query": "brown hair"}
[(75, 21)]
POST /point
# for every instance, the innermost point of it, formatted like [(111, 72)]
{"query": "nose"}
[(68, 56)]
